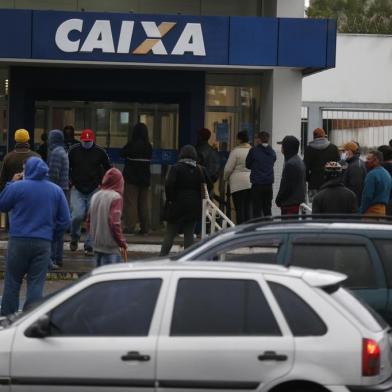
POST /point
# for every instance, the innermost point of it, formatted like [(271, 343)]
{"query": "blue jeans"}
[(25, 256), (107, 258), (80, 203)]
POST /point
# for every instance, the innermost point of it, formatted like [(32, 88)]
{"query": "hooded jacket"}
[(335, 198), (293, 183), (104, 218), (38, 208), (58, 160), (260, 161), (13, 162), (317, 154)]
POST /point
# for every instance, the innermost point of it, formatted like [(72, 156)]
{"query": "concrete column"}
[(281, 103), (284, 8), (314, 118)]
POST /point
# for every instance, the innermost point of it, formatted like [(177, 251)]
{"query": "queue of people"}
[(78, 184)]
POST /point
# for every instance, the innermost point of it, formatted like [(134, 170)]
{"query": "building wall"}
[(362, 74)]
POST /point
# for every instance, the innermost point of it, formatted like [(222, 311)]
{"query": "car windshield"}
[(12, 318), (359, 309)]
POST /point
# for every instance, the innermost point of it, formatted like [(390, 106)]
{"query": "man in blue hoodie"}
[(260, 161), (39, 213), (377, 188)]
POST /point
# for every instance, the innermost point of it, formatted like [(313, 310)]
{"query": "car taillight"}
[(371, 356)]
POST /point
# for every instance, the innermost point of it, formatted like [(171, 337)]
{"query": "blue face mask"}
[(87, 145)]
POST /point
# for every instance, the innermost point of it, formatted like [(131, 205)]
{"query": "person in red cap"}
[(87, 166)]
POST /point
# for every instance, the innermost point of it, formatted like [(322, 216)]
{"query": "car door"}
[(353, 255), (221, 331), (103, 337)]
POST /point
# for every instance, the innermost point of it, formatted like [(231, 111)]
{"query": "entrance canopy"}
[(166, 40)]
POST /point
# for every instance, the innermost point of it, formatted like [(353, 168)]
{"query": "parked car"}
[(170, 326), (362, 250)]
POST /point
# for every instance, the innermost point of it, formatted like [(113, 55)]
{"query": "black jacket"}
[(292, 185), (137, 163), (317, 154), (210, 159), (335, 198), (354, 176), (87, 167), (183, 190)]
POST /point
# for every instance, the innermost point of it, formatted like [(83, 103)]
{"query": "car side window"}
[(222, 307), (112, 308), (352, 260), (384, 248), (301, 318), (256, 250)]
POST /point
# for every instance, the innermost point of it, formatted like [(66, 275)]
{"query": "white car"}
[(180, 327)]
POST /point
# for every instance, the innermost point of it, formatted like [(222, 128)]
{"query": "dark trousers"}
[(136, 207), (241, 201), (261, 200), (171, 231)]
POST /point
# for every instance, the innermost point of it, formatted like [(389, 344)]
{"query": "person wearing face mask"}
[(261, 160), (355, 169), (87, 166), (377, 188)]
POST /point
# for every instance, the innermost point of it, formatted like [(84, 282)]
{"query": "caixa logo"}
[(101, 37)]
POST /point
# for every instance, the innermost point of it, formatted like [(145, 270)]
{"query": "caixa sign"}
[(71, 37)]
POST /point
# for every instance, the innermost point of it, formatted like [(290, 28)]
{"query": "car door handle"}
[(272, 356), (135, 356)]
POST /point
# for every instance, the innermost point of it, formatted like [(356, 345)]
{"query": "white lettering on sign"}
[(62, 35), (100, 37), (191, 40)]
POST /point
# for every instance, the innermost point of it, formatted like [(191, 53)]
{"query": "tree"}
[(355, 16)]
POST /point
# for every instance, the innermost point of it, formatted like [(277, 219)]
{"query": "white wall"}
[(363, 72)]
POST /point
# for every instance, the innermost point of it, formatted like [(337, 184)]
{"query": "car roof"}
[(294, 225), (314, 277)]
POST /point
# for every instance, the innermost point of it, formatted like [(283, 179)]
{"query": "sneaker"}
[(53, 267), (73, 245), (88, 251)]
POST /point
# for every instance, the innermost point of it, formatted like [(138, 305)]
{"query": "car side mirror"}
[(40, 328)]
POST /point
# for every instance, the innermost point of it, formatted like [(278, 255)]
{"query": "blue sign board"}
[(167, 39)]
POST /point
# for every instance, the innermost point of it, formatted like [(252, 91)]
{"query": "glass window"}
[(384, 248), (222, 307), (352, 260), (113, 308), (302, 319), (250, 254)]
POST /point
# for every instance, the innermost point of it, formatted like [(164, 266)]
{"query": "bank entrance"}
[(112, 123)]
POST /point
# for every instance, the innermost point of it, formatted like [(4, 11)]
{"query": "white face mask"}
[(344, 156), (87, 145), (265, 144)]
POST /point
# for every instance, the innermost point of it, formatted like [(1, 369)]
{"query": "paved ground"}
[(77, 264)]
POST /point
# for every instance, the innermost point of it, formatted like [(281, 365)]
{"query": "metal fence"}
[(370, 128)]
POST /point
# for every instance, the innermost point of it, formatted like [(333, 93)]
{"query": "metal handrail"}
[(210, 213)]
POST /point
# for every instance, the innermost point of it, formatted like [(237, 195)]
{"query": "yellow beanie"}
[(22, 136)]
